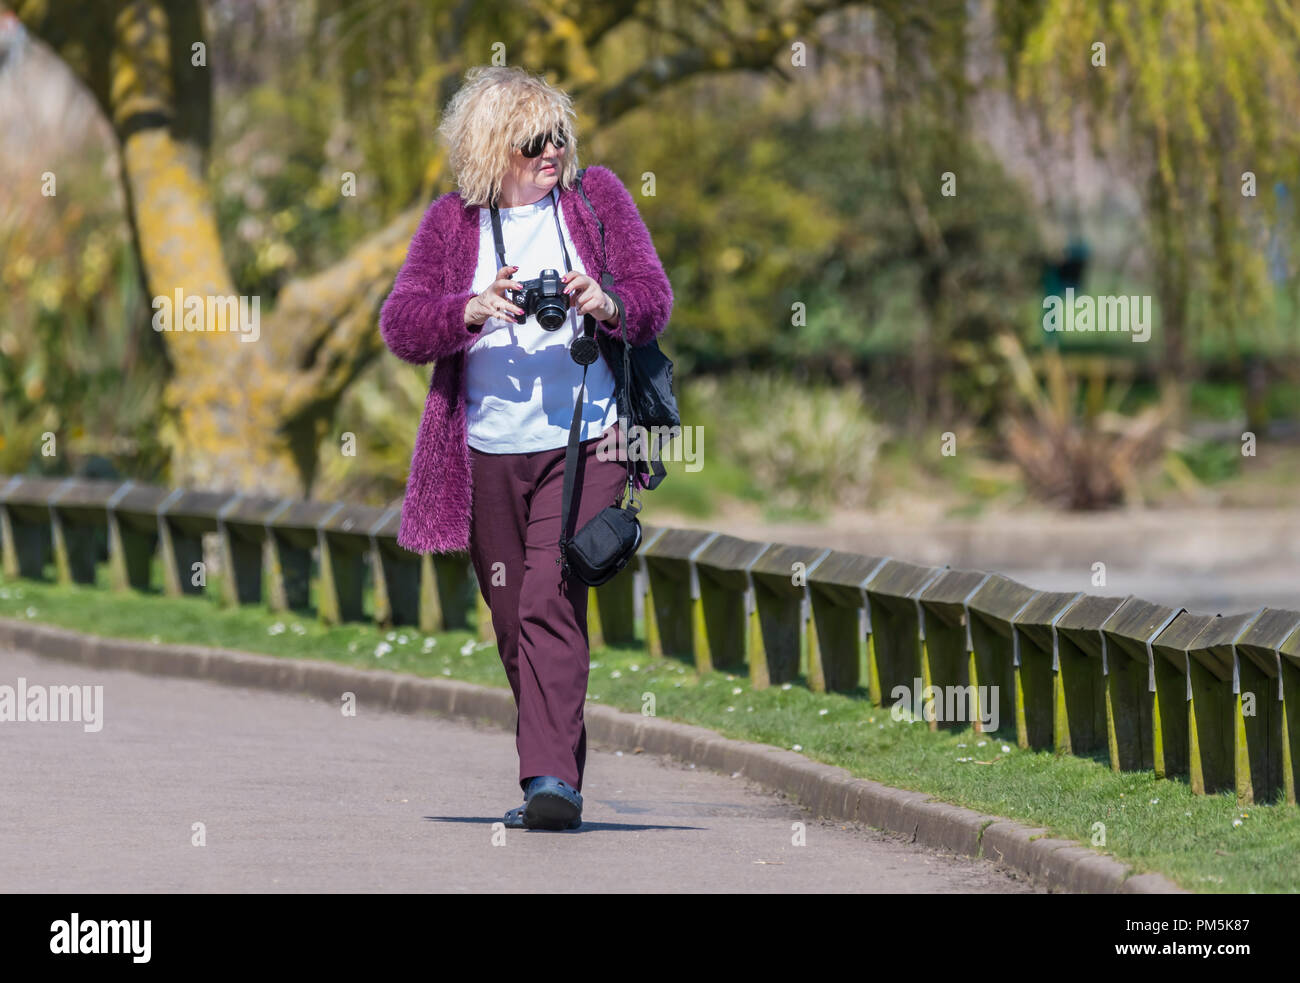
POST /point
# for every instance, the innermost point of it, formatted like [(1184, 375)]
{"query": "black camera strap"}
[(589, 332), (501, 243)]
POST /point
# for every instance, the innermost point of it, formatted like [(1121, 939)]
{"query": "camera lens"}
[(550, 313), (552, 301)]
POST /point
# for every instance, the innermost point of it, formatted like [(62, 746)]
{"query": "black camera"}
[(544, 297)]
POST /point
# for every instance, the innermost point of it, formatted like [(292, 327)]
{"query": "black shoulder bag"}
[(603, 546), (647, 400)]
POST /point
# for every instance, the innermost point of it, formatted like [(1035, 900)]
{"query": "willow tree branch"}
[(756, 50)]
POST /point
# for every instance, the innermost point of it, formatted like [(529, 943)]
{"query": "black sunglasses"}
[(535, 146)]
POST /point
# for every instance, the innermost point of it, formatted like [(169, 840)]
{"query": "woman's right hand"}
[(492, 301)]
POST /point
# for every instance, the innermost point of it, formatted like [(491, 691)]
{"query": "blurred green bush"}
[(807, 447)]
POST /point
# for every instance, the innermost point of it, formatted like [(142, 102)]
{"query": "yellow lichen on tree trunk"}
[(220, 409)]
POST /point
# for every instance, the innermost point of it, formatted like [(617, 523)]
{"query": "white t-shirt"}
[(521, 383)]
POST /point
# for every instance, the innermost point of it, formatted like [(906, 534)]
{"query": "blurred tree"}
[(875, 276), (768, 207), (1195, 95), (74, 375), (253, 415)]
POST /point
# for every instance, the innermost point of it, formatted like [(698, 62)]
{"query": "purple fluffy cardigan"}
[(423, 320)]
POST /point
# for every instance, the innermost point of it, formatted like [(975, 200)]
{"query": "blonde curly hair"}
[(497, 110)]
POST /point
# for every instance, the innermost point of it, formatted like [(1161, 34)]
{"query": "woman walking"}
[(488, 466)]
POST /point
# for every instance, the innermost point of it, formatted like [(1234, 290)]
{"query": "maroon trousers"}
[(540, 618)]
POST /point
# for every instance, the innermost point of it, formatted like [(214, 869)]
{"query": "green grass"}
[(1151, 824)]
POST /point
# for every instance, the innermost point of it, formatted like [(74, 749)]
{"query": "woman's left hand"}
[(587, 297)]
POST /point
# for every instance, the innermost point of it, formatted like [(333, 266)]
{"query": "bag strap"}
[(589, 328), (657, 470), (570, 464), (571, 468), (607, 282), (600, 226)]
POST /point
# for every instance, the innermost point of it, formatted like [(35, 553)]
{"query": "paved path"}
[(294, 796)]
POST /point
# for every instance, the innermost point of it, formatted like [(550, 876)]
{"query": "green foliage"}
[(1216, 400), (278, 184), (1212, 460), (78, 360), (807, 447), (393, 66), (389, 398), (770, 191), (883, 287), (1209, 92), (731, 230), (1283, 401), (752, 220)]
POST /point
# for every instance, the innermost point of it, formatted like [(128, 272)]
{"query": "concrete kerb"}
[(1012, 844), (1146, 884), (828, 791)]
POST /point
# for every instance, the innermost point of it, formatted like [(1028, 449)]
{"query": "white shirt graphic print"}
[(521, 383)]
